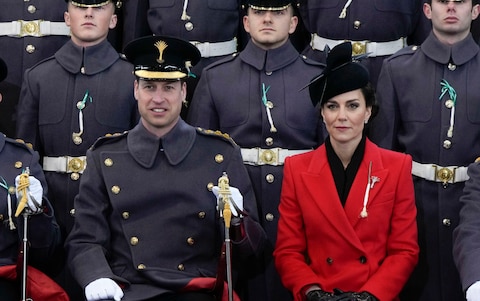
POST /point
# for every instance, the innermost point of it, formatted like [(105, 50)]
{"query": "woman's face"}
[(345, 116)]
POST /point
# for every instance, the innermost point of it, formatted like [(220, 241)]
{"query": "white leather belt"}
[(208, 49), (361, 47), (443, 174), (65, 164), (33, 28), (270, 156)]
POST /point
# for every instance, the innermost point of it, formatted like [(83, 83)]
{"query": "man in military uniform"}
[(81, 93), (30, 31), (429, 99), (377, 27), (158, 235), (257, 98), (212, 26), (43, 233)]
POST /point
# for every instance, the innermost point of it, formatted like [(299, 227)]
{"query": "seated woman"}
[(347, 227)]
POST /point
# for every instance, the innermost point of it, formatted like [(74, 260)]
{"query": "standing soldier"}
[(429, 102), (257, 98), (30, 31), (81, 93), (158, 236), (377, 27)]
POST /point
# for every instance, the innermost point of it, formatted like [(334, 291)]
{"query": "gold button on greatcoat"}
[(452, 67), (447, 222), (108, 162), (12, 190), (125, 215), (115, 189), (269, 217), (189, 26), (190, 241), (447, 144), (449, 104), (30, 48), (181, 267), (1, 217), (210, 186), (219, 158), (134, 240), (72, 212), (18, 164), (201, 215), (74, 176), (141, 266), (356, 24), (31, 9), (270, 178), (269, 141)]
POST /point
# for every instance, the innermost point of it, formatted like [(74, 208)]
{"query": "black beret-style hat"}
[(342, 74), (268, 4), (161, 57), (3, 70)]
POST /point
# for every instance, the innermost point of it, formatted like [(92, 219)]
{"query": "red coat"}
[(321, 242)]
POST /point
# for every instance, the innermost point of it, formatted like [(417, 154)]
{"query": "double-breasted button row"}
[(362, 259)]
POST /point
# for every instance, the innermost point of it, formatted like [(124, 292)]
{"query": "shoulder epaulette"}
[(409, 50), (310, 61), (223, 60), (219, 134), (108, 138), (20, 143)]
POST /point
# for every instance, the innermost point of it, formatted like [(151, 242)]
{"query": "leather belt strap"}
[(269, 156), (442, 174), (361, 47), (33, 28), (65, 164), (208, 49)]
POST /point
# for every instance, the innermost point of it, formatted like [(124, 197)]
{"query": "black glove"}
[(353, 296), (319, 295)]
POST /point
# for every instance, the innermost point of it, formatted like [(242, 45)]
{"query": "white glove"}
[(236, 196), (103, 289), (473, 292), (34, 190)]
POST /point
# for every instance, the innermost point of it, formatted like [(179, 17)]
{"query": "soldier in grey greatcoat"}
[(69, 100), (43, 233), (377, 27), (148, 223), (429, 102), (256, 97)]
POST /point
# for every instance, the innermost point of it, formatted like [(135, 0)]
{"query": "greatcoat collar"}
[(460, 52), (269, 60)]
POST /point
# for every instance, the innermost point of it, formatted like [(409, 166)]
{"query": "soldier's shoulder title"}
[(409, 50), (219, 134)]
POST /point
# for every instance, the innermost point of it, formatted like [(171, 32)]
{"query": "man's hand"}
[(103, 289), (34, 193), (236, 196)]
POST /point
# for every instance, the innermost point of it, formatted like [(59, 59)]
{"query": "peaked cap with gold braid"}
[(161, 57), (94, 3)]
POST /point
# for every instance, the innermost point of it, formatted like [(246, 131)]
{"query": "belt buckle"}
[(76, 165), (30, 28), (359, 48), (268, 156), (445, 175)]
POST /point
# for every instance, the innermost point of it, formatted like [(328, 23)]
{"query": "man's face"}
[(159, 104), (270, 29), (451, 20), (90, 25)]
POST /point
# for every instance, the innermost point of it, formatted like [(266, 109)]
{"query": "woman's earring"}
[(185, 103)]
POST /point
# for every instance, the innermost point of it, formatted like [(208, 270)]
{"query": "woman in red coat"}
[(347, 228)]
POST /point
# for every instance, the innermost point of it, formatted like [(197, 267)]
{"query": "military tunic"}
[(23, 51), (365, 20), (49, 113), (157, 231), (43, 234), (229, 98), (415, 117)]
